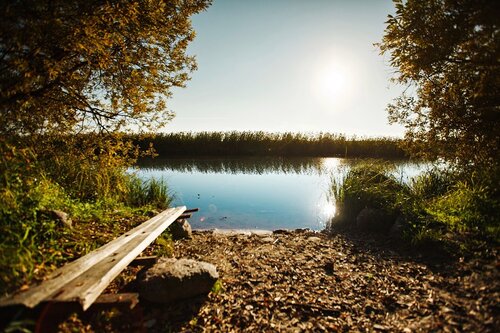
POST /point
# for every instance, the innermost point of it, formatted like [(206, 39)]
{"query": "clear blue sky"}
[(288, 65)]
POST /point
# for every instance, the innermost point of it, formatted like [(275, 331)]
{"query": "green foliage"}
[(18, 175), (88, 166), (367, 185), (31, 240), (431, 183), (164, 245), (447, 51), (434, 205), (72, 74), (26, 233), (267, 144), (467, 207), (450, 202), (218, 287)]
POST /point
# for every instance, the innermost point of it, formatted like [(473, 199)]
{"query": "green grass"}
[(367, 185), (151, 192), (163, 245), (33, 242), (437, 206)]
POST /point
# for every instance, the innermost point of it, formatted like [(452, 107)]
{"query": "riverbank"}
[(306, 281)]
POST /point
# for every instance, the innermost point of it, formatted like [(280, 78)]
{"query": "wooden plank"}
[(68, 272), (129, 299), (191, 210), (86, 287), (54, 313), (56, 282), (144, 261)]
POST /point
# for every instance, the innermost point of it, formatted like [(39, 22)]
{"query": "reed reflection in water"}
[(244, 165)]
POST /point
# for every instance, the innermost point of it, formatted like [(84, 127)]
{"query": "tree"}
[(92, 65), (447, 53)]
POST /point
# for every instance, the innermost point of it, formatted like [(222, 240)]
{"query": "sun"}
[(332, 83), (333, 80)]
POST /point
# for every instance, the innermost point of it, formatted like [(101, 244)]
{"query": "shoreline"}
[(310, 281)]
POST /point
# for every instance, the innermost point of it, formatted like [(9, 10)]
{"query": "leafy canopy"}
[(447, 53), (69, 65)]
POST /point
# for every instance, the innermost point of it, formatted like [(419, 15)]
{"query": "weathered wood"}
[(129, 299), (191, 210), (144, 261), (54, 313), (85, 278), (184, 216)]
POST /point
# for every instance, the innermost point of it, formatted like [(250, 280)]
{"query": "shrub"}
[(85, 180), (367, 186), (89, 166), (433, 205), (18, 176), (470, 205)]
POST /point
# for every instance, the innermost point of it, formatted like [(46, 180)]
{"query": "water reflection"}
[(254, 193), (247, 165)]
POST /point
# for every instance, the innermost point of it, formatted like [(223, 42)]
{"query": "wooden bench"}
[(84, 279)]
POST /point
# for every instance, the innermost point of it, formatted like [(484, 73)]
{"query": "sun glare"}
[(332, 83), (330, 164), (333, 80), (327, 211)]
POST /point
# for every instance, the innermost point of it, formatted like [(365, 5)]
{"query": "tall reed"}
[(150, 192), (268, 144)]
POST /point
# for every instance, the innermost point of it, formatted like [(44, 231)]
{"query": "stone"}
[(314, 239), (282, 232), (62, 217), (267, 240), (373, 220), (170, 280), (261, 232), (180, 229)]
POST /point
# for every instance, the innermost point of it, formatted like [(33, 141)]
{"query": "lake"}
[(256, 193)]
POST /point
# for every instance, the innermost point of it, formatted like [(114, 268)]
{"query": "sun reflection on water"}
[(329, 164), (329, 209)]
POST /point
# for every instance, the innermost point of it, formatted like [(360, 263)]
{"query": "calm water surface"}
[(256, 193)]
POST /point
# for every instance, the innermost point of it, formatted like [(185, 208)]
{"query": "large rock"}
[(373, 220), (180, 229), (171, 280)]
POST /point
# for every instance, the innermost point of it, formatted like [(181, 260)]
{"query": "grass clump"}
[(468, 205), (150, 192), (368, 197), (367, 185), (438, 206)]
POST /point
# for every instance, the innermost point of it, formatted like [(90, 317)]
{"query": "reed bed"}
[(269, 144)]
